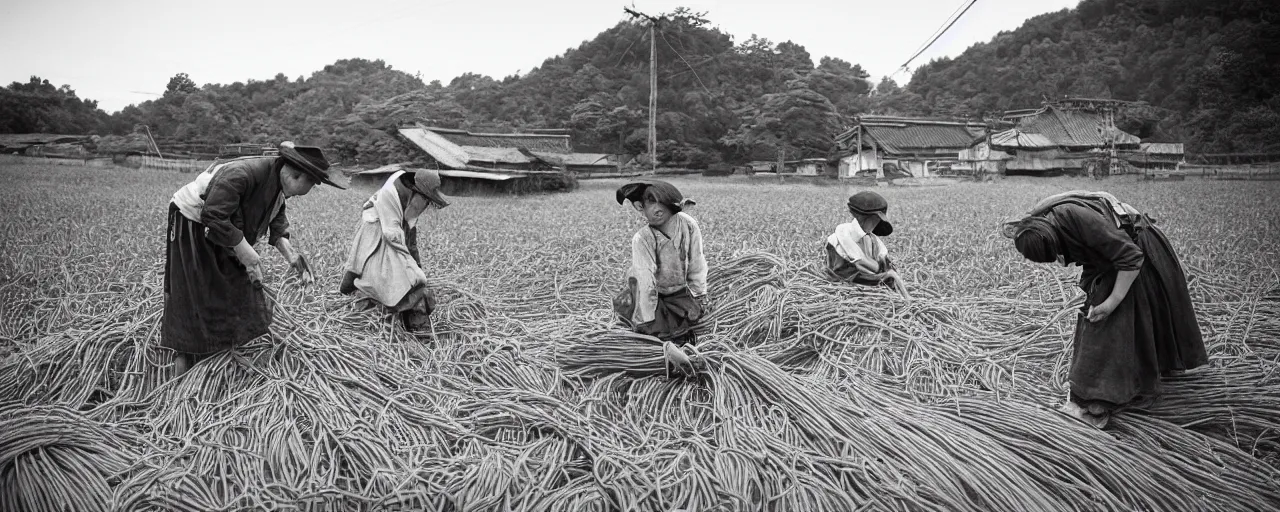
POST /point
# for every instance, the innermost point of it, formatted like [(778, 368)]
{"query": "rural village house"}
[(494, 161), (548, 151), (45, 144), (801, 167), (895, 146), (1058, 138), (1156, 155)]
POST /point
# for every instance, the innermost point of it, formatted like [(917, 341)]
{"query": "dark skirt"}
[(844, 270), (1152, 333), (210, 304), (673, 319)]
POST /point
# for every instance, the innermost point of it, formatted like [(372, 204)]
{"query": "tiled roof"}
[(1072, 128), (903, 134), (1162, 148)]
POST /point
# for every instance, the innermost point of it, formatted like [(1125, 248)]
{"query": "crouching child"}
[(855, 252), (666, 290)]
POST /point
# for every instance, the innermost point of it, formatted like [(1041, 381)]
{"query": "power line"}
[(940, 25), (686, 63), (628, 50), (935, 39)]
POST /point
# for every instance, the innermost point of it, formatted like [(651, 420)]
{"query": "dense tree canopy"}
[(39, 107), (1204, 72)]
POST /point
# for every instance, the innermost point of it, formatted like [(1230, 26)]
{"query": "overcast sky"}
[(118, 51)]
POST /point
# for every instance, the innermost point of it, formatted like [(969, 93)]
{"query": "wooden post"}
[(1111, 139), (653, 98), (781, 163), (859, 164), (653, 87), (875, 152)]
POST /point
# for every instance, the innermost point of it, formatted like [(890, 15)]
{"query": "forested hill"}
[(1210, 70), (1207, 70)]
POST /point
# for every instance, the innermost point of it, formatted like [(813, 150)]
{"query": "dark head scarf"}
[(1036, 238), (655, 190)]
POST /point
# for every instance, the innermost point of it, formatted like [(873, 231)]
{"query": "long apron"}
[(210, 304), (1152, 333)]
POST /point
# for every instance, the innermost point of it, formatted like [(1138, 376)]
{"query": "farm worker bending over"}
[(666, 290), (856, 253), (213, 292), (1137, 323), (384, 261)]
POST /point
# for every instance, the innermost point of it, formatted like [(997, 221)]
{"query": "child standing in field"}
[(855, 252), (213, 296), (383, 262), (1137, 323), (666, 290)]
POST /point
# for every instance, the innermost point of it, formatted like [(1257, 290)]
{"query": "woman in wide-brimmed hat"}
[(855, 252), (666, 290), (1137, 323), (383, 262), (214, 299)]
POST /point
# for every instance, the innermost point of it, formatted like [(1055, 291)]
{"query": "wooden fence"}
[(1232, 158), (1269, 171), (180, 165), (132, 161), (42, 160)]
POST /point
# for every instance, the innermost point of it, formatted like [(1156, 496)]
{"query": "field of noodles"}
[(810, 395)]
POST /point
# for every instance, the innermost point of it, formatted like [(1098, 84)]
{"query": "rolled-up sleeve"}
[(1101, 236), (643, 270), (279, 225), (221, 202), (696, 269)]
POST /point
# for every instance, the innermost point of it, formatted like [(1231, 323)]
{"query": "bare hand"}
[(250, 259), (255, 273), (1101, 311), (304, 271), (678, 360), (896, 281)]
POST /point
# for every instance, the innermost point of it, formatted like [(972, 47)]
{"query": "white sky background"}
[(111, 50)]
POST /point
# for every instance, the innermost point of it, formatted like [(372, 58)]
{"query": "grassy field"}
[(811, 395)]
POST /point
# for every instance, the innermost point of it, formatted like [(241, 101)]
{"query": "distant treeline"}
[(1205, 72)]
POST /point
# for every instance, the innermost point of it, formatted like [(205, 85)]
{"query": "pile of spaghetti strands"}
[(810, 395)]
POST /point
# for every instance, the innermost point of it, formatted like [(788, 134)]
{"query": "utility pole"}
[(1111, 139), (653, 87)]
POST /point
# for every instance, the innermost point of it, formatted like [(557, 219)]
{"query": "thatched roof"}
[(544, 142), (440, 148), (442, 145)]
